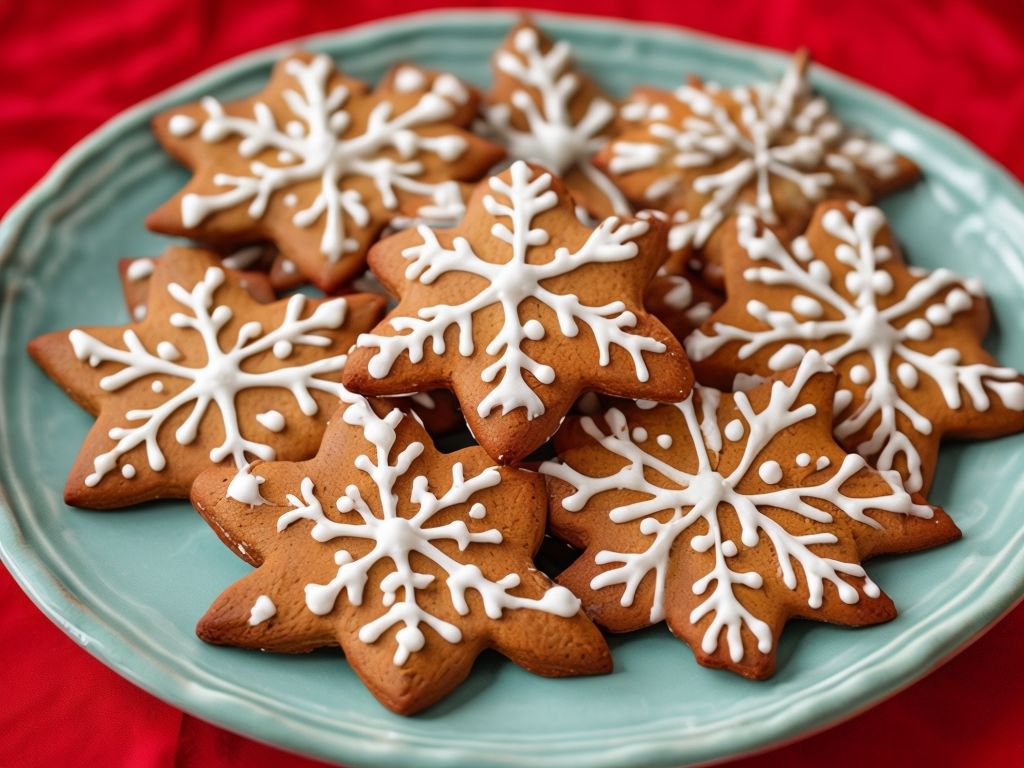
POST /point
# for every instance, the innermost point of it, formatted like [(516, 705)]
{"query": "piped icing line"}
[(508, 284), (869, 325), (700, 496), (218, 380), (397, 536), (552, 138), (778, 130), (310, 146)]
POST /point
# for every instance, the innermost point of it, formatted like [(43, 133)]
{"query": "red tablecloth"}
[(66, 67)]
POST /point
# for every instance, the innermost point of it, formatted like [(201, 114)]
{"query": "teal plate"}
[(129, 585)]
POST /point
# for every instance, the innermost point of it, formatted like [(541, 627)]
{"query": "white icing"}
[(262, 610), (139, 269), (245, 488), (310, 147), (770, 472), (398, 528), (272, 420), (803, 459), (698, 500), (639, 434), (552, 139), (409, 79), (884, 333), (181, 125), (734, 430), (127, 471), (139, 313), (218, 379), (778, 131), (664, 441), (509, 284), (244, 258)]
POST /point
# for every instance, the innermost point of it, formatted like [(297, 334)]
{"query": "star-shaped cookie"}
[(547, 112), (519, 310), (411, 560), (209, 376), (319, 165), (727, 515), (705, 154), (905, 342)]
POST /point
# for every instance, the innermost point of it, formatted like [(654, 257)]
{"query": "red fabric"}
[(69, 66)]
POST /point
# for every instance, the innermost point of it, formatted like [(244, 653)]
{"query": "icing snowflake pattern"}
[(702, 497), (218, 381), (552, 139), (310, 146), (396, 538), (871, 323), (778, 130), (510, 283)]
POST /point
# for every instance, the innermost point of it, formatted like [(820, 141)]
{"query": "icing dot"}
[(139, 313), (139, 269), (860, 374), (882, 283), (770, 472), (806, 306), (639, 435), (157, 386), (918, 330), (477, 511), (734, 430), (167, 351), (181, 125), (282, 349), (272, 420), (450, 87), (128, 471), (938, 314), (907, 374), (409, 79), (291, 199), (288, 266), (803, 459), (729, 548), (646, 405), (822, 463), (958, 300), (664, 441)]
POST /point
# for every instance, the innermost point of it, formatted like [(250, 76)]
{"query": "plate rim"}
[(90, 631)]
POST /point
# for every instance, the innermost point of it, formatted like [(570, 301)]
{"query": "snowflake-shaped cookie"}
[(546, 112), (706, 154), (209, 376), (906, 343), (319, 165), (519, 310), (725, 515), (411, 560)]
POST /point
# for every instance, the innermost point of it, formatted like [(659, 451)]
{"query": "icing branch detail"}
[(700, 499), (552, 138), (219, 379), (510, 283), (317, 144), (396, 537), (776, 131), (863, 321)]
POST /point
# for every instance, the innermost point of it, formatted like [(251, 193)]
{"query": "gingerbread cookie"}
[(413, 561), (681, 302), (518, 311), (135, 275), (319, 165), (726, 515), (906, 343), (706, 154), (544, 111), (209, 376)]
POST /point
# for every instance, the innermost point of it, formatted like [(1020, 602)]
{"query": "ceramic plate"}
[(130, 585)]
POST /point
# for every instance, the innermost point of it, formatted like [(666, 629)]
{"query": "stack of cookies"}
[(673, 332)]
